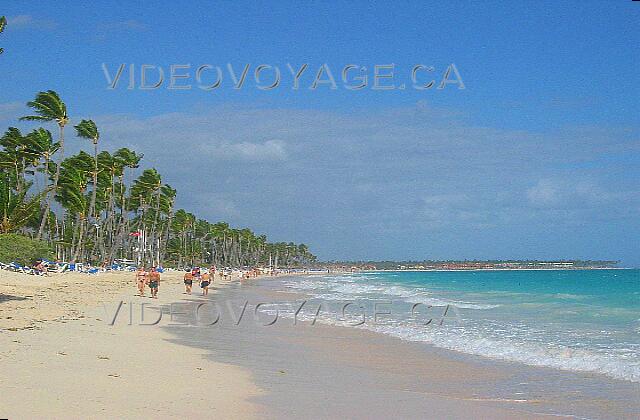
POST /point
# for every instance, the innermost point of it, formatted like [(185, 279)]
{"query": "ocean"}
[(578, 320)]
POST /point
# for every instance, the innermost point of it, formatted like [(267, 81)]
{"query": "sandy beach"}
[(61, 359), (64, 359), (328, 371)]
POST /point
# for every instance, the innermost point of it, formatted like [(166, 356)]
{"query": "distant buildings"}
[(471, 265)]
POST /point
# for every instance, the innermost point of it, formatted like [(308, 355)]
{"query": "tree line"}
[(84, 208)]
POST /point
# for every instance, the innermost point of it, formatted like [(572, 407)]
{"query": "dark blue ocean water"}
[(581, 320)]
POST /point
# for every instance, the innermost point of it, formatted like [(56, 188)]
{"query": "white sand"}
[(65, 361)]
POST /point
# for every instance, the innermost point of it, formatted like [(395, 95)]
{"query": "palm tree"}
[(3, 24), (123, 159), (126, 158), (168, 198), (147, 205), (13, 157), (145, 191), (16, 210), (108, 170), (49, 107), (71, 194), (87, 129), (40, 146)]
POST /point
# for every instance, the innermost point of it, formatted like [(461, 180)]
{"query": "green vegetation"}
[(84, 209), (22, 249), (3, 24), (475, 264)]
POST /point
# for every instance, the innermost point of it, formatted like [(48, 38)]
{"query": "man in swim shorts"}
[(188, 282), (154, 282), (204, 284)]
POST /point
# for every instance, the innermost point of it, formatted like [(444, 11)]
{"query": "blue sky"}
[(538, 157)]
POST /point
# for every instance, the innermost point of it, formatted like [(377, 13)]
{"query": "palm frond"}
[(16, 209), (87, 129), (48, 107), (3, 24)]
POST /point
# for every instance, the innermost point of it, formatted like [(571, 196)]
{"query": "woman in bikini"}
[(141, 279), (204, 284), (154, 282), (188, 282)]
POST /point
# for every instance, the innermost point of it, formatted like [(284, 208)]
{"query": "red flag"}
[(135, 234)]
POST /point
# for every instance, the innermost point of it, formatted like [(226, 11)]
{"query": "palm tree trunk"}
[(168, 232), (92, 206), (78, 251), (55, 184)]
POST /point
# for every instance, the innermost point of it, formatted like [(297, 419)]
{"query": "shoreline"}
[(494, 269), (290, 361), (248, 370)]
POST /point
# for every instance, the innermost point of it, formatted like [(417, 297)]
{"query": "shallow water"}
[(371, 375), (580, 320)]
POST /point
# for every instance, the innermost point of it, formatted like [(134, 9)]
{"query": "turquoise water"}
[(581, 320)]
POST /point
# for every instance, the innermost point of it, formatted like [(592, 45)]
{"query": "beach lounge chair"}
[(14, 266), (25, 270), (61, 267)]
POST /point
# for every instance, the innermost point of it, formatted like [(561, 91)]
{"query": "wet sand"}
[(321, 371)]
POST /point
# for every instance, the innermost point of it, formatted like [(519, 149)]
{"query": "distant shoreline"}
[(495, 269)]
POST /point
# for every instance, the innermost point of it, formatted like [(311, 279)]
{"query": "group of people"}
[(149, 278), (204, 277)]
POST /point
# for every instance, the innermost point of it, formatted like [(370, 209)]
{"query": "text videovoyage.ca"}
[(266, 77), (237, 312)]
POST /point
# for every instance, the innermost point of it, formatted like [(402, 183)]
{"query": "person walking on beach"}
[(204, 284), (141, 279), (188, 282), (212, 274), (154, 282)]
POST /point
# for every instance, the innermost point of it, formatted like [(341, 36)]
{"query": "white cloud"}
[(29, 22), (105, 29), (544, 193), (10, 112), (401, 173), (222, 206), (267, 151)]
